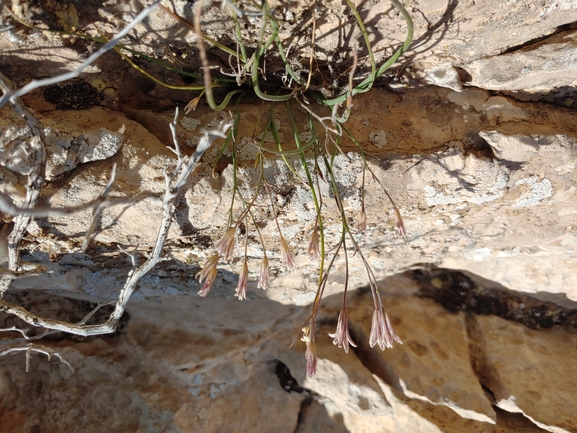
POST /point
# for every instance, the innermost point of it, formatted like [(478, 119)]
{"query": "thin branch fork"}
[(175, 181), (31, 348), (37, 143)]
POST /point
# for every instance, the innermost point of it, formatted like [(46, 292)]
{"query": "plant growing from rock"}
[(311, 159)]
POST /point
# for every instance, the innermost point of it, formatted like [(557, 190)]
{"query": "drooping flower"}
[(399, 225), (191, 106), (286, 253), (341, 336), (240, 292), (311, 352), (314, 246), (208, 274), (363, 221), (263, 279), (311, 357), (382, 332), (226, 245)]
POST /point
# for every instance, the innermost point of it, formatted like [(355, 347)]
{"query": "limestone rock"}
[(432, 365), (539, 380), (183, 363), (443, 75), (532, 71), (97, 135)]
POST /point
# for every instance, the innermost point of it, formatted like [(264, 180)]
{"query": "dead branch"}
[(8, 207), (25, 337), (37, 147), (98, 210), (38, 349), (174, 182), (35, 182)]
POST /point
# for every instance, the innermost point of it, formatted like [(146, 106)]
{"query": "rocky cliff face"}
[(473, 134)]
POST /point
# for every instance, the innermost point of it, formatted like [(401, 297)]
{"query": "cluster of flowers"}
[(382, 333), (224, 248)]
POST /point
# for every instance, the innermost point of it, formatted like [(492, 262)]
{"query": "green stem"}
[(363, 155), (367, 42), (260, 50), (243, 55), (312, 188), (283, 153), (367, 83)]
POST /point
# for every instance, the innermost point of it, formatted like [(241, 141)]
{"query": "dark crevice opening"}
[(304, 409), (286, 380), (463, 291), (561, 29)]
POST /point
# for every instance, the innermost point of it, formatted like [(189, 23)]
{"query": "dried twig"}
[(38, 349), (98, 210), (175, 181), (37, 155), (202, 54)]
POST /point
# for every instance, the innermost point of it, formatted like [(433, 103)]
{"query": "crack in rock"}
[(527, 383)]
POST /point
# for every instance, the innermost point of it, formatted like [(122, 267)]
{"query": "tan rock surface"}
[(182, 363), (533, 69), (535, 376)]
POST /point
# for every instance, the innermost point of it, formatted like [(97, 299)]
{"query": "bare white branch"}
[(15, 329), (35, 182), (172, 127), (94, 311), (131, 255), (98, 210), (38, 349), (25, 338), (175, 182)]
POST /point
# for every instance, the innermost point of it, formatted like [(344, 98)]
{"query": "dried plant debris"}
[(74, 94)]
